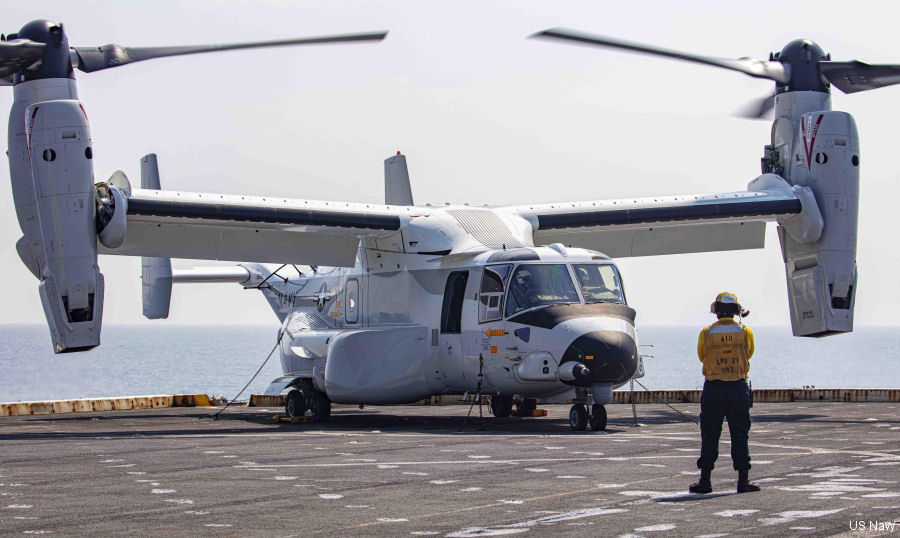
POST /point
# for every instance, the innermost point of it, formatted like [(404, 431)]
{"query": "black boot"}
[(704, 485), (744, 485)]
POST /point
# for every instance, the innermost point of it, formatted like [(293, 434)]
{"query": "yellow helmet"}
[(726, 297), (726, 305)]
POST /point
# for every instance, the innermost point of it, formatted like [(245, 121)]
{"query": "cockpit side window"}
[(600, 283), (490, 298), (539, 284)]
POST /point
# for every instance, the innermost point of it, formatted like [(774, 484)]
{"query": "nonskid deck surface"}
[(825, 468)]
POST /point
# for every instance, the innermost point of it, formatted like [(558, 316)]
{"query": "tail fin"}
[(396, 181), (156, 273), (156, 287)]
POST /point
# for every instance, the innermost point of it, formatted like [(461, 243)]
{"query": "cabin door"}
[(450, 332)]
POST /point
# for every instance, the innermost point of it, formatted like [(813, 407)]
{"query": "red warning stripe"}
[(28, 130), (812, 142)]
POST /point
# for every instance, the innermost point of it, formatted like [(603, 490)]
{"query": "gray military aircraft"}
[(393, 303)]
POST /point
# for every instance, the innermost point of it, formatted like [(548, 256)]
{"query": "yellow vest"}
[(725, 348)]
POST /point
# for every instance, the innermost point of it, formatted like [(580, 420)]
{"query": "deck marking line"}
[(500, 462), (496, 504)]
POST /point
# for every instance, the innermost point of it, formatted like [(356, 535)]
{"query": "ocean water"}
[(164, 359)]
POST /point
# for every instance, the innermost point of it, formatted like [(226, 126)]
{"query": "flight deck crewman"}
[(725, 348)]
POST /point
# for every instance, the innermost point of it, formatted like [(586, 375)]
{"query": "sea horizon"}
[(219, 359)]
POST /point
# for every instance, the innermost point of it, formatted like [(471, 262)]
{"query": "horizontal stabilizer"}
[(235, 274)]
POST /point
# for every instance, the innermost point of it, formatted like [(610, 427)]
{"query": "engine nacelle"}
[(65, 243), (821, 275), (112, 213)]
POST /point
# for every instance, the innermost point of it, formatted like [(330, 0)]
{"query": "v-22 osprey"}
[(392, 303)]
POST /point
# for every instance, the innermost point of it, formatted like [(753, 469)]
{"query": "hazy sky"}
[(483, 115)]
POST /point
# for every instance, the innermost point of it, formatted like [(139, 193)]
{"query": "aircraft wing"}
[(172, 224), (663, 224)]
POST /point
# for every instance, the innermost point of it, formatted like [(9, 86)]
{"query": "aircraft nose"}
[(611, 357)]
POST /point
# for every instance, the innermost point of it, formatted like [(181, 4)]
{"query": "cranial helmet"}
[(726, 305)]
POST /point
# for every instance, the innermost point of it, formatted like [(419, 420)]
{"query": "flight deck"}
[(825, 468)]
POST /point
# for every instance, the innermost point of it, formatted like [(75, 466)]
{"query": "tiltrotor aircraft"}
[(521, 302)]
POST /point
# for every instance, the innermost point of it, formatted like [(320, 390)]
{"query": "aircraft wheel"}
[(501, 406), (319, 406), (598, 417), (578, 417), (294, 404), (526, 408)]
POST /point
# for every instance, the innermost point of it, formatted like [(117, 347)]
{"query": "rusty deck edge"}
[(87, 405)]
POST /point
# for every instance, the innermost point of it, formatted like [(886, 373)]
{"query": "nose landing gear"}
[(598, 417), (579, 418)]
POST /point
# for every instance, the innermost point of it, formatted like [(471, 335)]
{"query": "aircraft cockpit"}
[(529, 285), (599, 283)]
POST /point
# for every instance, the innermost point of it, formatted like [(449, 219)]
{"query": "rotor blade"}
[(17, 55), (758, 108), (856, 76), (96, 58), (754, 68)]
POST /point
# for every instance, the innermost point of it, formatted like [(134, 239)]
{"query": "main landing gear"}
[(526, 407), (502, 407), (294, 404), (301, 400), (579, 418)]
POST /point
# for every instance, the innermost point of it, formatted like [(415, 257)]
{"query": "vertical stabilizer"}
[(156, 287), (149, 172), (156, 273), (396, 181)]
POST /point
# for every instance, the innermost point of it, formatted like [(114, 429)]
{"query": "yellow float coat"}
[(725, 348)]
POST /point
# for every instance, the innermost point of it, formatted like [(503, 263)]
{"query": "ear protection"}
[(726, 304)]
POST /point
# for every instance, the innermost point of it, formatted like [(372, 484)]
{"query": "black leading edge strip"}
[(271, 215), (648, 215)]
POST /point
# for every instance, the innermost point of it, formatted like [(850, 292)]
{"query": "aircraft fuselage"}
[(529, 322)]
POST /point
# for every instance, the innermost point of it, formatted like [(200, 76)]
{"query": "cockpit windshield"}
[(540, 284), (600, 283)]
